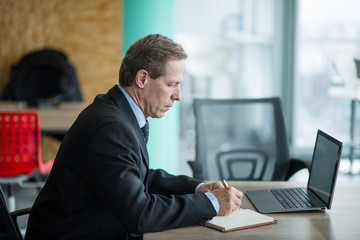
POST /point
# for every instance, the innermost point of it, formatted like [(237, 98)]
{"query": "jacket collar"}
[(123, 104)]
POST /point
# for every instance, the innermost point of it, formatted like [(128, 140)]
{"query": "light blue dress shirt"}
[(140, 117)]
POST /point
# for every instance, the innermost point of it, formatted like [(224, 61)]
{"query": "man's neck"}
[(139, 113)]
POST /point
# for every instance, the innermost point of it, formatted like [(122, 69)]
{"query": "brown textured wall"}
[(89, 32)]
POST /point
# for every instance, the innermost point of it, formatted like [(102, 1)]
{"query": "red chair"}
[(20, 150)]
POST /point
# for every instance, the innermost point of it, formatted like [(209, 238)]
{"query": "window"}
[(232, 54), (328, 35)]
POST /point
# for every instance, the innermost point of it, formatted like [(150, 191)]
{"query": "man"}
[(100, 186)]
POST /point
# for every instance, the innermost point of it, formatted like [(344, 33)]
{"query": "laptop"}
[(319, 192)]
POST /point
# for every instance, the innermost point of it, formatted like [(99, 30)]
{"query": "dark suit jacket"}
[(101, 187)]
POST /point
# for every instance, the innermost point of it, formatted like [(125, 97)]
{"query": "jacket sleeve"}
[(161, 182), (119, 176)]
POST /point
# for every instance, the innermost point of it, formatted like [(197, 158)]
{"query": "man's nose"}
[(177, 94)]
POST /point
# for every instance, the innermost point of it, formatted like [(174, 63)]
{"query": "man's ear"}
[(141, 77)]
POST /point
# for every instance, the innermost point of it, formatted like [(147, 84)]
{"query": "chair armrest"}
[(297, 165), (197, 169), (15, 214), (20, 212)]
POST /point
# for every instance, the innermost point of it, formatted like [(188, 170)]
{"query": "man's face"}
[(161, 93)]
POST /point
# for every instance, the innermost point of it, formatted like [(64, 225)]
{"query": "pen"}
[(226, 186), (225, 183)]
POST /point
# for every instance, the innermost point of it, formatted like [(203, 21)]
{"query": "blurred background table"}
[(53, 119)]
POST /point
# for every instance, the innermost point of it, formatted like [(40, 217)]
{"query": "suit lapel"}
[(124, 106)]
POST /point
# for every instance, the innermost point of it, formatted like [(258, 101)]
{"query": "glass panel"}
[(328, 42), (231, 55)]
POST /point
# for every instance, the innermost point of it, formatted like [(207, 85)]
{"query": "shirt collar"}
[(140, 117)]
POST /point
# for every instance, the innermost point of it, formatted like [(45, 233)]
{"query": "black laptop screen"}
[(324, 166)]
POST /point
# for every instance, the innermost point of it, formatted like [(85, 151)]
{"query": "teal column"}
[(143, 17)]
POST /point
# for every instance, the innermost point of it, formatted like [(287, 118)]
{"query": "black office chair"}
[(9, 228), (242, 139)]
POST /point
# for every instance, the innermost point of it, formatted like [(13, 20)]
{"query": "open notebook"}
[(237, 220)]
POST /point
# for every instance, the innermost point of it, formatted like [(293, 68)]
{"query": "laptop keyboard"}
[(292, 198)]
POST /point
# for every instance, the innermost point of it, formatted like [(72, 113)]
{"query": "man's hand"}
[(229, 198), (209, 187)]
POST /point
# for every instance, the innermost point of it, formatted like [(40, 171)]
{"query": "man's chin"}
[(159, 115)]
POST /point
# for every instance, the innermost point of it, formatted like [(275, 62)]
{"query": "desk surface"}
[(52, 119), (341, 222)]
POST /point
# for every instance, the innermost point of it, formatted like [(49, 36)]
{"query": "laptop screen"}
[(325, 163)]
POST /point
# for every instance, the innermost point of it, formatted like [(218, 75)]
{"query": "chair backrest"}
[(43, 74), (241, 139), (20, 151), (7, 226)]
